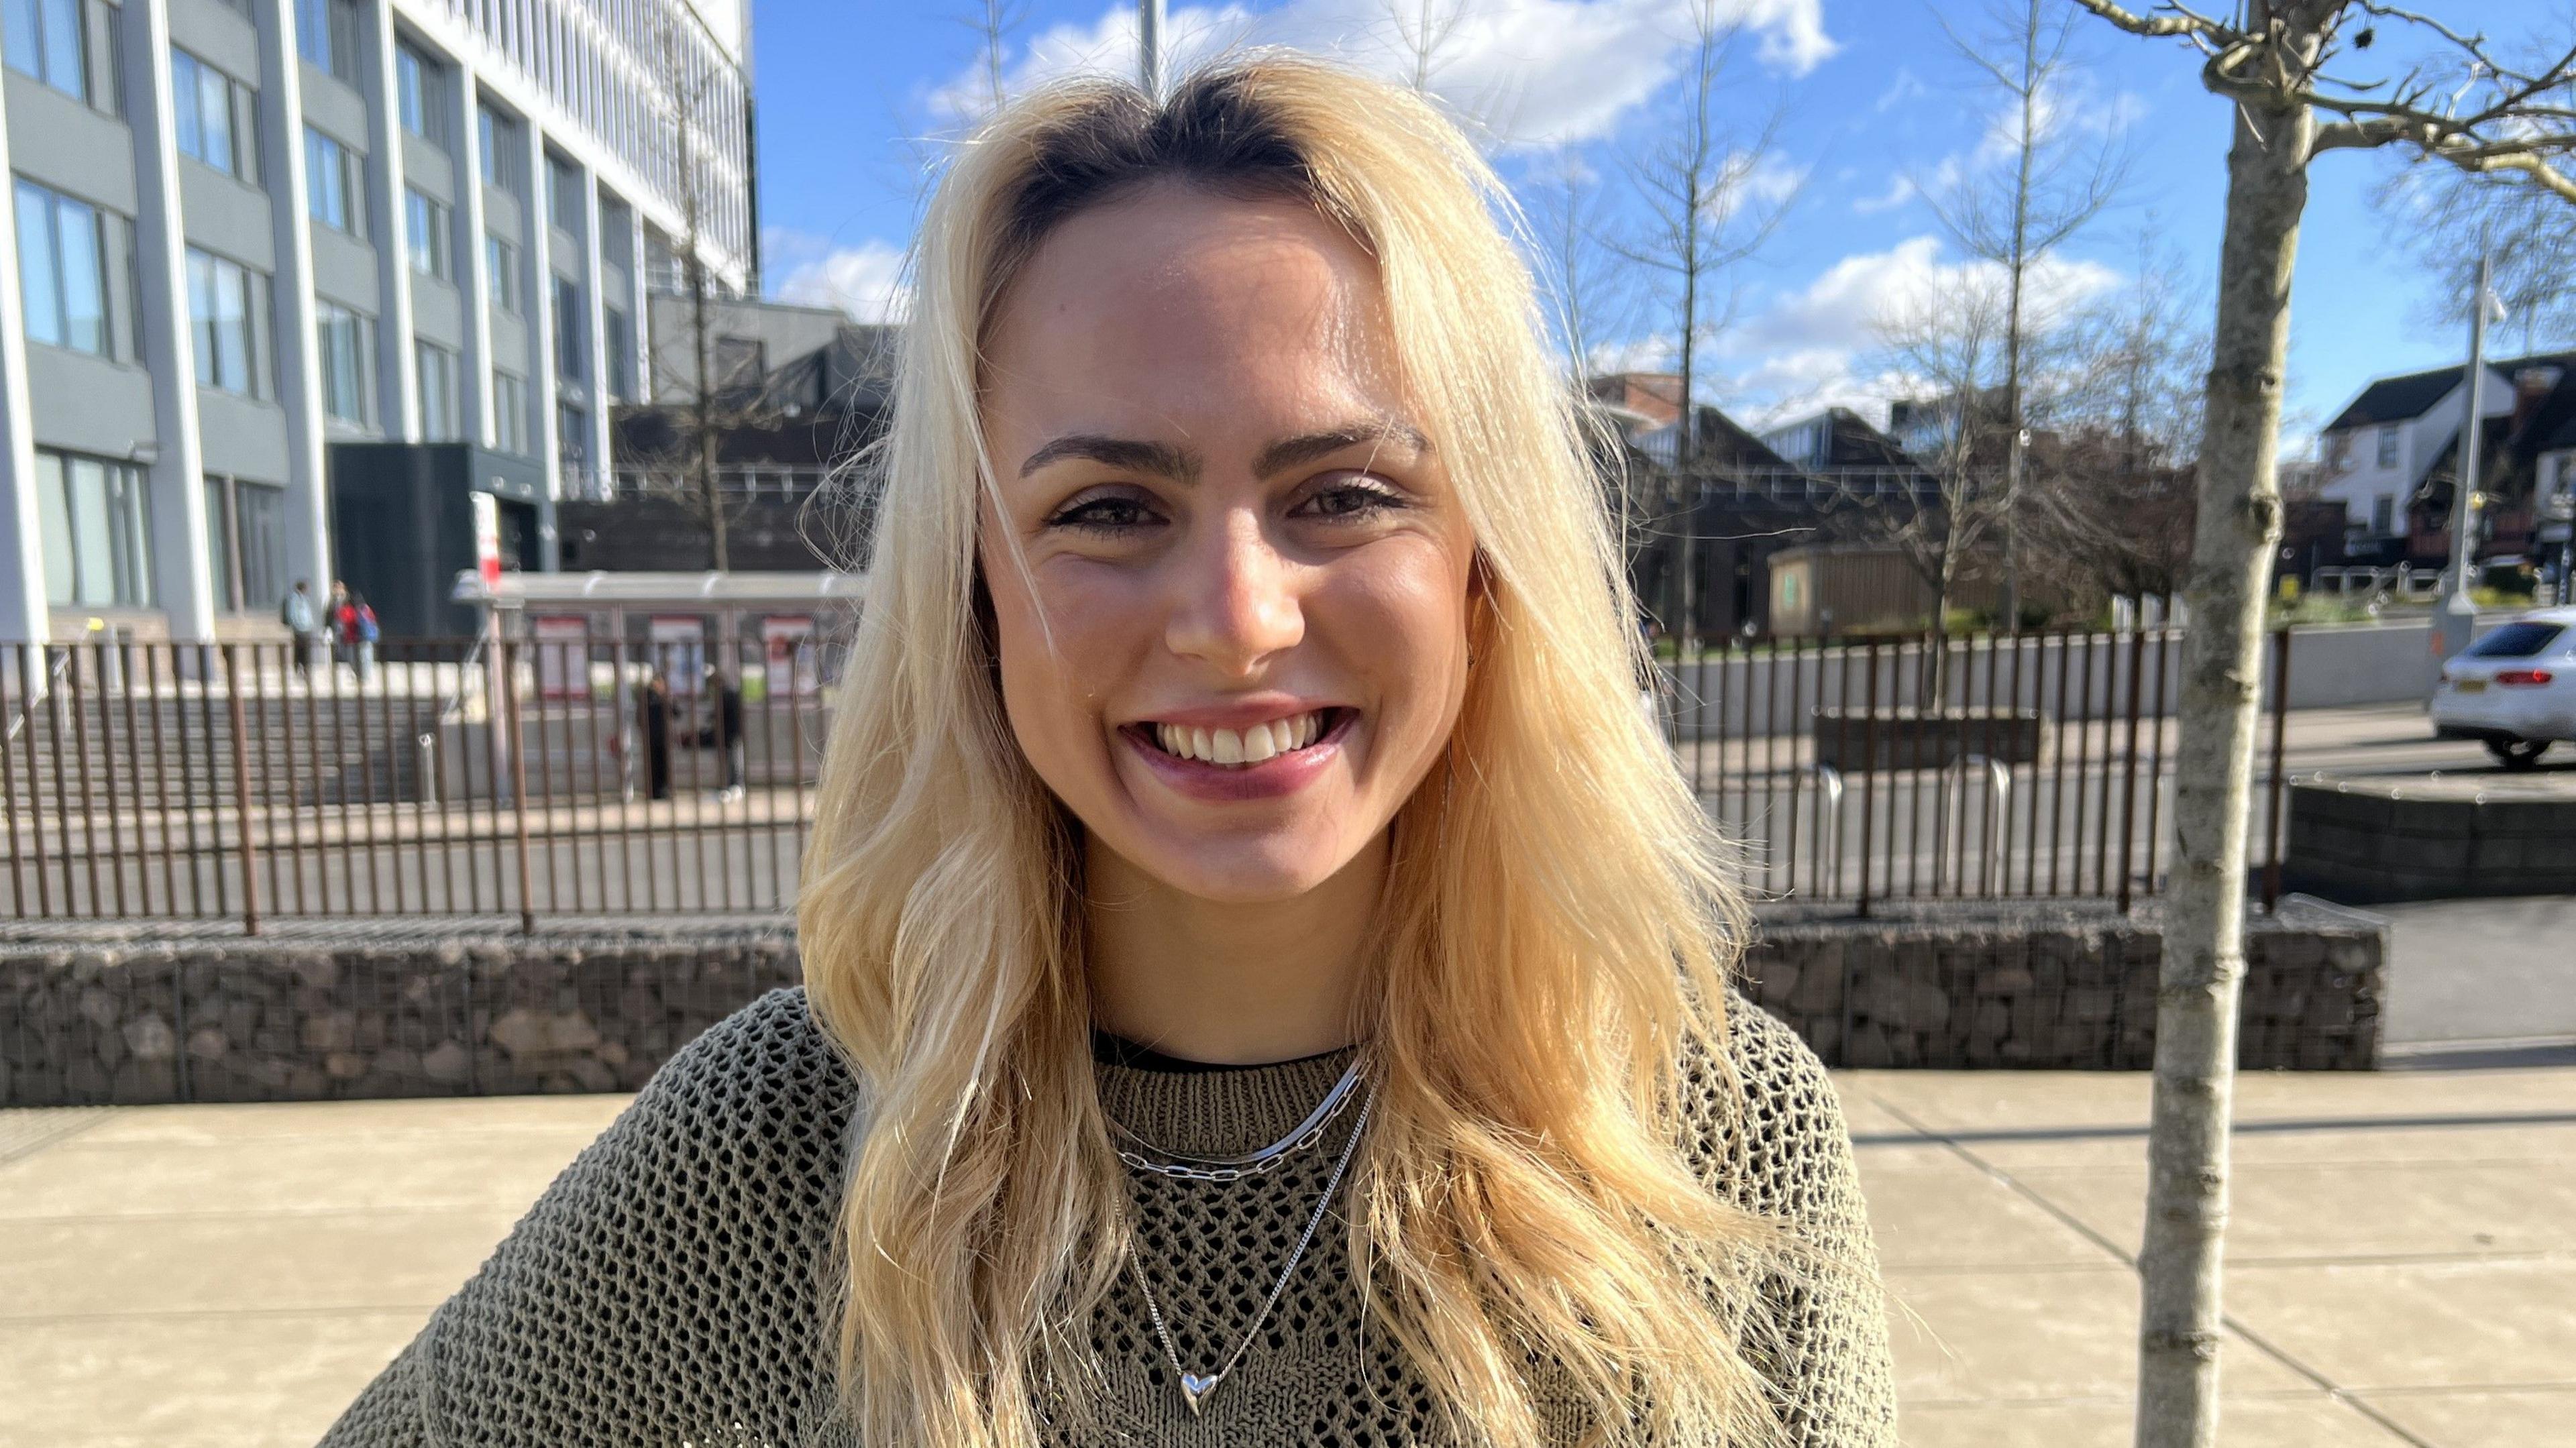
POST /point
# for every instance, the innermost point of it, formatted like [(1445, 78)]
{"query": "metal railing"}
[(1944, 767), (596, 776), (590, 776)]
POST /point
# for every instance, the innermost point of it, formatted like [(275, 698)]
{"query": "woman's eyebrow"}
[(1309, 447), (1183, 466), (1131, 454)]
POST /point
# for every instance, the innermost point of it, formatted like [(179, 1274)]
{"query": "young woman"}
[(1266, 982)]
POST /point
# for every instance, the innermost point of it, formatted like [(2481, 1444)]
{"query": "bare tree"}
[(2530, 238), (1422, 30), (994, 23), (1712, 194), (684, 463), (2049, 183), (2115, 421), (1951, 346), (2279, 65), (1593, 302)]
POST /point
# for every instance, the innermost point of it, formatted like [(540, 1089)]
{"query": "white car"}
[(2514, 690)]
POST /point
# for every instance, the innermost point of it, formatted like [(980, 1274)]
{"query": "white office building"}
[(264, 247)]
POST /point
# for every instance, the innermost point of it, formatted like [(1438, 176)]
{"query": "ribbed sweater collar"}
[(1215, 1110)]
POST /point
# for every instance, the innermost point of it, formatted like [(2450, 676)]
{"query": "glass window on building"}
[(44, 38), (96, 517), (505, 151), (434, 368), (62, 270), (223, 300), (564, 197), (219, 544), (501, 270), (420, 93), (621, 354), (571, 330), (2388, 447), (346, 345), (572, 444), (426, 223), (211, 113), (246, 544), (326, 33), (335, 183), (509, 412), (2383, 515)]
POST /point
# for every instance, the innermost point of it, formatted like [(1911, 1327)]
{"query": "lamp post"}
[(1149, 47), (2456, 619)]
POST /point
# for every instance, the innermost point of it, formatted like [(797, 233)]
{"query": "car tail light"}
[(2522, 676)]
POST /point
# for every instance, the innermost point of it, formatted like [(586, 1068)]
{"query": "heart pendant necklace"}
[(1195, 1387)]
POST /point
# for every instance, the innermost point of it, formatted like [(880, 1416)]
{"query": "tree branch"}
[(2180, 22)]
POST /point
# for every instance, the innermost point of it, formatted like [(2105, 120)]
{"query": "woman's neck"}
[(1228, 983)]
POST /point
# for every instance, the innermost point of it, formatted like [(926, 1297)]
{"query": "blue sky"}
[(854, 96)]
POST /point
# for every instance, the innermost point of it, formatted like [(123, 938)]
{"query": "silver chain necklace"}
[(1185, 1166), (1194, 1386)]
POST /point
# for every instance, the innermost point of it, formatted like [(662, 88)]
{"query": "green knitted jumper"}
[(672, 1286)]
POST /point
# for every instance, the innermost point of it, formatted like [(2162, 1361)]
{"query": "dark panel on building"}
[(402, 528)]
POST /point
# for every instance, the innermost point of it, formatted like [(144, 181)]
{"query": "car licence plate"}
[(2470, 686)]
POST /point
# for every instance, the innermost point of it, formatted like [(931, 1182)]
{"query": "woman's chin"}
[(1239, 871)]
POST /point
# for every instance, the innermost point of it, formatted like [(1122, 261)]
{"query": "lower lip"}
[(1280, 774)]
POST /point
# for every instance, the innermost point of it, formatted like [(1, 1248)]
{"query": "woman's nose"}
[(1236, 602)]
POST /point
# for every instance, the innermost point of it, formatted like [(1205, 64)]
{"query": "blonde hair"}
[(1559, 918)]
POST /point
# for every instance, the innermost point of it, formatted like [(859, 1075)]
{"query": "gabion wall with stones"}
[(2058, 989), (253, 1020)]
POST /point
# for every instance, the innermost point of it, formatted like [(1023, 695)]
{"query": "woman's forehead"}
[(1178, 298)]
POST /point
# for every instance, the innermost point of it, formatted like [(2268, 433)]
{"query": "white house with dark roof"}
[(2382, 450)]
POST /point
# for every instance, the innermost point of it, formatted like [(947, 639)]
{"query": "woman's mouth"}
[(1270, 758), (1237, 749)]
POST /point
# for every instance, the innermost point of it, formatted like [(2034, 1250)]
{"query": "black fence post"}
[(2280, 741), (242, 841)]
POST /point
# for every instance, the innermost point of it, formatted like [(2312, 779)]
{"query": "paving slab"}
[(2306, 1420), (2403, 1252), (1932, 1209), (2496, 1322), (2002, 1334), (243, 1262), (2482, 1418), (2323, 1211), (188, 1380)]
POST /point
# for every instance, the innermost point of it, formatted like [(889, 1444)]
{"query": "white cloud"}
[(865, 281), (1820, 345), (1767, 179), (1900, 189), (1526, 72), (1903, 88)]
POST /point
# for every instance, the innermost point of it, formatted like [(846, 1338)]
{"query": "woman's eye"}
[(1103, 515), (1353, 499)]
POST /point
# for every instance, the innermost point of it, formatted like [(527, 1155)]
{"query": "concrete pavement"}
[(2403, 1257)]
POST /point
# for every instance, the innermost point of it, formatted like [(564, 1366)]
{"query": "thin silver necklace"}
[(1190, 1167), (1194, 1386)]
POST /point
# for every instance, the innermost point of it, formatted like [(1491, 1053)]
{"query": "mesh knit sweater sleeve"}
[(1779, 1147), (664, 1288)]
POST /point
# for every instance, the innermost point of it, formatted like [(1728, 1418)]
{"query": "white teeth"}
[(1249, 746), (1259, 743)]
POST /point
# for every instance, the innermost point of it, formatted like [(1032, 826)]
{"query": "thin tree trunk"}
[(2204, 953), (2020, 269)]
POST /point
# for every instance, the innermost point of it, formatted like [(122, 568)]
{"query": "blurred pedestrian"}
[(653, 722), (335, 620), (357, 626), (725, 729), (296, 612)]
